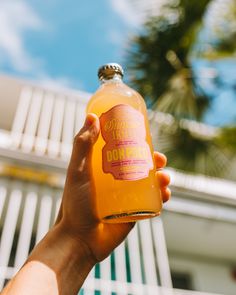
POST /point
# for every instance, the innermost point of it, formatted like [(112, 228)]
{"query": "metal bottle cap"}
[(108, 71)]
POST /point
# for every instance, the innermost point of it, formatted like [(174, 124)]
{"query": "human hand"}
[(77, 214), (60, 263)]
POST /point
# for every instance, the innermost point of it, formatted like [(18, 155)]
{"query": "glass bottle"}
[(123, 167)]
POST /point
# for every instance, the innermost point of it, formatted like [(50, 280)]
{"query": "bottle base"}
[(129, 217)]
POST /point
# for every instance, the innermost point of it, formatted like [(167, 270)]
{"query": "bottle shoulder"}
[(111, 94)]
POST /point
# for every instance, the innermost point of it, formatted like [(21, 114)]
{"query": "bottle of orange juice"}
[(122, 160)]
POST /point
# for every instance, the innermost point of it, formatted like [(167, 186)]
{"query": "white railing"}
[(42, 131), (107, 287), (28, 210), (117, 287), (45, 122)]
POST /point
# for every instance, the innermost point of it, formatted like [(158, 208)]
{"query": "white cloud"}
[(16, 17), (58, 83), (127, 12), (134, 13)]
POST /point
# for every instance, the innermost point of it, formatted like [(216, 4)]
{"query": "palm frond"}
[(190, 152)]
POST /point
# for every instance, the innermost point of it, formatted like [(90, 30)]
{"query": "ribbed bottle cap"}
[(108, 71)]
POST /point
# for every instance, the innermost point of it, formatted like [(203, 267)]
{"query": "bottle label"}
[(126, 154)]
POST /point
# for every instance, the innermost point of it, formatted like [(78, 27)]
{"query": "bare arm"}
[(60, 263)]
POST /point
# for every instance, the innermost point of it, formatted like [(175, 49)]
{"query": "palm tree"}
[(160, 68), (221, 30)]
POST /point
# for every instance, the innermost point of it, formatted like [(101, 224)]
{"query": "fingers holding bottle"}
[(163, 178)]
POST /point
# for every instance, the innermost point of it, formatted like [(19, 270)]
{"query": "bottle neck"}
[(114, 79)]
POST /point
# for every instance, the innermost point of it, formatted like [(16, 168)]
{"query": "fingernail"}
[(89, 121)]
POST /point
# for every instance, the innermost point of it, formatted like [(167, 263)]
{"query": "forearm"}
[(57, 265)]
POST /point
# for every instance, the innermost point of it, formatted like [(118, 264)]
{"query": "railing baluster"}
[(26, 228), (44, 215), (135, 258), (21, 116), (56, 127), (105, 273), (32, 121), (120, 267), (68, 129), (44, 124), (3, 194), (148, 253), (161, 253), (9, 226), (79, 116), (91, 290)]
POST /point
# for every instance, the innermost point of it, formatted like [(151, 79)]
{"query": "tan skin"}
[(60, 263)]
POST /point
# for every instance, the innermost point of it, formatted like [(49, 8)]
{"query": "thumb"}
[(83, 143)]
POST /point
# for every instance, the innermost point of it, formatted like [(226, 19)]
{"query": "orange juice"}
[(122, 160)]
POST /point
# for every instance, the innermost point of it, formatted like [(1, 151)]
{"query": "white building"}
[(37, 126)]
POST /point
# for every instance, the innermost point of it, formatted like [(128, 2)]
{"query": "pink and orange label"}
[(126, 154)]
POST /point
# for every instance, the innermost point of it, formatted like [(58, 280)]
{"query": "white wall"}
[(207, 276)]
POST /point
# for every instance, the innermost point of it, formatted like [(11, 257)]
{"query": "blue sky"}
[(80, 37), (62, 43)]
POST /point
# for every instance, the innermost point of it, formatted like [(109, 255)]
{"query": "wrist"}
[(76, 247), (69, 259)]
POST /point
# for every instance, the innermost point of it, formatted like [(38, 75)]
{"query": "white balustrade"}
[(44, 124), (32, 121), (9, 225), (21, 115)]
